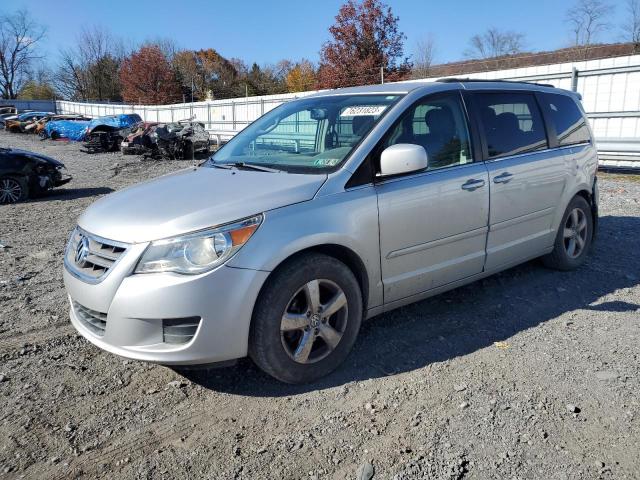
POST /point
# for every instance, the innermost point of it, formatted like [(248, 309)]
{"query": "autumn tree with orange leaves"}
[(365, 38), (147, 78), (301, 77)]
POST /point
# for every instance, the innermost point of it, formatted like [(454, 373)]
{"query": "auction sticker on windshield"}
[(363, 110)]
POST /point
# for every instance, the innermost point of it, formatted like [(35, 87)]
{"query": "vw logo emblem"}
[(82, 250)]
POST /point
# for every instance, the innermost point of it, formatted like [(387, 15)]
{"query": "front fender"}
[(348, 219)]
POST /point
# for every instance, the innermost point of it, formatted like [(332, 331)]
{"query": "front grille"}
[(95, 321), (90, 257)]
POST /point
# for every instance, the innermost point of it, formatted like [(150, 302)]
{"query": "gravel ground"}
[(528, 374)]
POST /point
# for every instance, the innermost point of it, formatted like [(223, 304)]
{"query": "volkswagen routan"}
[(329, 210)]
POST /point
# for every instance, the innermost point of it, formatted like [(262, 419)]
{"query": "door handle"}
[(503, 178), (472, 184)]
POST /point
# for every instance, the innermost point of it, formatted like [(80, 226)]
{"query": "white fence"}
[(610, 90), (223, 118)]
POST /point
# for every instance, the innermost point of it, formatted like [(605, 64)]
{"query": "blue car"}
[(70, 129)]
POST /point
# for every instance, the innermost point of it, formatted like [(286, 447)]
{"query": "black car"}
[(180, 140), (24, 174)]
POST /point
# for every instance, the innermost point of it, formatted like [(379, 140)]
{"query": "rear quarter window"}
[(567, 119)]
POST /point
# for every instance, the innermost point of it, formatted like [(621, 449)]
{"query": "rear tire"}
[(306, 319), (13, 190), (574, 237)]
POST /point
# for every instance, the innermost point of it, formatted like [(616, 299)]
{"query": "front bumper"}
[(136, 305), (130, 148), (63, 180)]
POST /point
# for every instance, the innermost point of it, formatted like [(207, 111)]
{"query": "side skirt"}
[(450, 286)]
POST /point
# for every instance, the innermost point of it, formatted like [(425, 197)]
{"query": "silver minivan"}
[(329, 210)]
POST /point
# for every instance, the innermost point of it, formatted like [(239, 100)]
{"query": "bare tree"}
[(632, 26), (495, 43), (423, 58), (168, 46), (19, 37), (587, 20), (90, 70)]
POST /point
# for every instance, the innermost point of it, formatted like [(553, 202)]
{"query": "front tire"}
[(574, 237), (306, 319)]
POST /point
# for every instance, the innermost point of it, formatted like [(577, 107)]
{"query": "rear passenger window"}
[(570, 125), (511, 123)]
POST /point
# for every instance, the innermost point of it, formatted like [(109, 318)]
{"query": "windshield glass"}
[(307, 135)]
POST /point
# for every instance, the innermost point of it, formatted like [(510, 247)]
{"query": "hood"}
[(37, 156), (191, 200)]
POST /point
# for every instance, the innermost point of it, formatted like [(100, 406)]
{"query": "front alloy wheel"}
[(11, 190), (314, 321)]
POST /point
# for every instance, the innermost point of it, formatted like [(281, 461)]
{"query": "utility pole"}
[(382, 75), (191, 107)]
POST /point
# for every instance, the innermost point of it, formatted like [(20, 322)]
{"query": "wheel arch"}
[(581, 190), (340, 252), (584, 194), (588, 196)]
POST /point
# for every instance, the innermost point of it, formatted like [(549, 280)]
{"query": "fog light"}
[(179, 330)]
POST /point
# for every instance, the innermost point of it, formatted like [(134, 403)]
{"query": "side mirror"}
[(403, 158)]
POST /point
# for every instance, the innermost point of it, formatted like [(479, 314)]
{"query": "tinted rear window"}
[(511, 123), (566, 117)]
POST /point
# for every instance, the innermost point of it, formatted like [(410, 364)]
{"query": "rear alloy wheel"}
[(575, 233), (573, 240), (12, 190), (306, 319)]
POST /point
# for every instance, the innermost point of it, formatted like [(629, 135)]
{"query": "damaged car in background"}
[(26, 174), (22, 123), (138, 142), (7, 112), (38, 126), (73, 130), (180, 140), (176, 140), (104, 134)]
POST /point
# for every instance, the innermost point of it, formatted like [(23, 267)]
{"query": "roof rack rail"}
[(471, 80)]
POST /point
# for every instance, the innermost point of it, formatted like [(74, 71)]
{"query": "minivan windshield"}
[(310, 135)]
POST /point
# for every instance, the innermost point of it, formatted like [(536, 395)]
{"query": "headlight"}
[(197, 252)]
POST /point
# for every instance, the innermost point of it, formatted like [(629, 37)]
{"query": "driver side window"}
[(438, 124)]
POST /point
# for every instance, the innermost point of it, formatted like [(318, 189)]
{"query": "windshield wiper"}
[(246, 166)]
